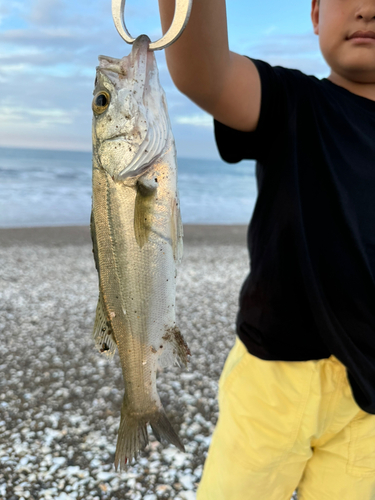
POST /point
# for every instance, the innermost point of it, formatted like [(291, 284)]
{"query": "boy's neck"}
[(362, 89)]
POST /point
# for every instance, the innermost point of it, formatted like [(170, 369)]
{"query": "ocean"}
[(53, 188)]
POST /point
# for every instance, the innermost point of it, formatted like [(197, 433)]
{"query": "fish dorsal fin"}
[(103, 334)]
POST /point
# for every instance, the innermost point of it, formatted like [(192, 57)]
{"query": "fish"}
[(137, 237)]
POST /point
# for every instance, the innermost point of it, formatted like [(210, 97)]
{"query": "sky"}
[(49, 50)]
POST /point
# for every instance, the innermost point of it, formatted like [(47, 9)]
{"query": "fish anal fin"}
[(175, 348), (104, 337)]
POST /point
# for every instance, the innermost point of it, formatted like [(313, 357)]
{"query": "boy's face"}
[(337, 20)]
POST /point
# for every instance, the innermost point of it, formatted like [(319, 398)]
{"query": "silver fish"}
[(137, 239)]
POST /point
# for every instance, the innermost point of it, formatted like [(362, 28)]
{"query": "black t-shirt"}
[(311, 288)]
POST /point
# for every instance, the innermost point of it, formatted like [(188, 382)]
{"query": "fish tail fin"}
[(133, 435), (162, 428)]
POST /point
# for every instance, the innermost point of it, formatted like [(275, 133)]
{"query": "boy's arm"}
[(223, 83)]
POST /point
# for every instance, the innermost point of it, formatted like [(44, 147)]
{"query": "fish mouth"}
[(112, 64), (137, 67)]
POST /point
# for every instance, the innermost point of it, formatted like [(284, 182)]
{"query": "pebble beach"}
[(60, 399)]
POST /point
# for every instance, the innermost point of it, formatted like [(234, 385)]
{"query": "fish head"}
[(130, 115)]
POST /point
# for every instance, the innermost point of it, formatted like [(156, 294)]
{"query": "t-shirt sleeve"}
[(235, 145)]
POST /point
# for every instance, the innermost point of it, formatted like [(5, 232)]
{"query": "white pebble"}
[(105, 476), (72, 470), (179, 459), (162, 488), (193, 429), (131, 482), (168, 454), (187, 481), (57, 462), (188, 495), (198, 472), (95, 463), (64, 496)]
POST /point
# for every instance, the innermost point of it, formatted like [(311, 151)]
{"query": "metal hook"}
[(180, 19)]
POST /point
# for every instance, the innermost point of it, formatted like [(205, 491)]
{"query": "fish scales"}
[(137, 239)]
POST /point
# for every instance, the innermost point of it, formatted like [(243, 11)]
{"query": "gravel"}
[(60, 400)]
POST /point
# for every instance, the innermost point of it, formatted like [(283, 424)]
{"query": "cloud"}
[(296, 51), (286, 44), (48, 53), (270, 29), (47, 12), (4, 12), (36, 39), (13, 12), (40, 118), (196, 120)]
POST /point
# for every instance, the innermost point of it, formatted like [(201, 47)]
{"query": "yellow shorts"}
[(286, 425)]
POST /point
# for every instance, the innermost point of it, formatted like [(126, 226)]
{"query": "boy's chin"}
[(358, 68)]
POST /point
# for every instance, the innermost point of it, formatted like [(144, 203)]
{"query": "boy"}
[(297, 392)]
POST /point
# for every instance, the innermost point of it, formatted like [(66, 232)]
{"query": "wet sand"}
[(79, 235)]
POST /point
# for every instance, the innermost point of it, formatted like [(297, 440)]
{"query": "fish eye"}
[(100, 102)]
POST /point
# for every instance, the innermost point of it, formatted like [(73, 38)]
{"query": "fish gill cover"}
[(137, 116)]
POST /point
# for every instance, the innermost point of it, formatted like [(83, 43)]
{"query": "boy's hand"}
[(223, 83)]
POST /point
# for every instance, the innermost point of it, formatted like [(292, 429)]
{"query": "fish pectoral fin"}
[(175, 349), (94, 242), (177, 231), (105, 341), (143, 209)]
